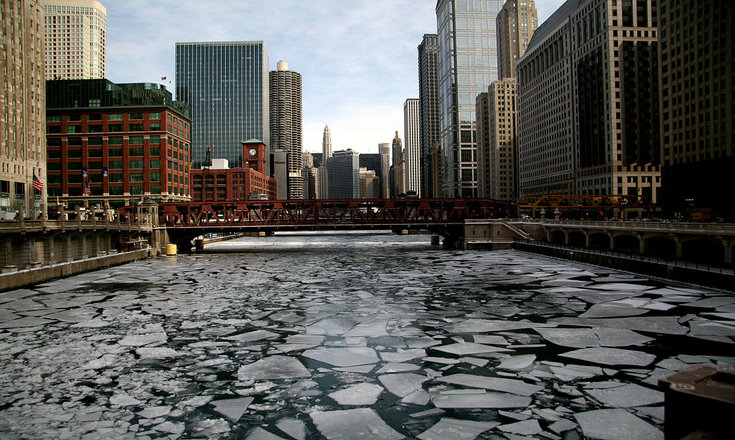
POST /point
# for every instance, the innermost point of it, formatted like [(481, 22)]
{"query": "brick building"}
[(111, 144), (220, 183)]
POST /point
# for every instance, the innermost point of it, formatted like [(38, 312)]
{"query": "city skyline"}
[(358, 61)]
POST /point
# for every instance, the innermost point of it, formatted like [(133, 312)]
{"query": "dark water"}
[(351, 336)]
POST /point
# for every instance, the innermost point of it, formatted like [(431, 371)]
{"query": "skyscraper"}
[(22, 109), (326, 144), (413, 145), (467, 66), (429, 110), (286, 122), (344, 175), (384, 151), (226, 85), (697, 105), (75, 39), (588, 102), (398, 169), (516, 23), (323, 173)]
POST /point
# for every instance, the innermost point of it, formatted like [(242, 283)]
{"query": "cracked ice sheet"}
[(468, 348), (353, 424), (611, 356), (402, 384), (488, 325), (585, 337), (343, 356), (627, 396), (448, 428), (358, 395), (615, 424), (273, 367), (478, 399), (512, 386)]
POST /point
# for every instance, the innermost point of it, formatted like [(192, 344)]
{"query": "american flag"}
[(37, 184), (87, 191)]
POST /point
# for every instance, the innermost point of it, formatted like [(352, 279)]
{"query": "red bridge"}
[(185, 221)]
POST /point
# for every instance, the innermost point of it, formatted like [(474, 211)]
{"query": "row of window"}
[(111, 164), (154, 116), (99, 128)]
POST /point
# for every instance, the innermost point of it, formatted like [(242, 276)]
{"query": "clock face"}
[(253, 152)]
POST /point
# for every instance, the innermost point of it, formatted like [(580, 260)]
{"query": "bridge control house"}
[(111, 144)]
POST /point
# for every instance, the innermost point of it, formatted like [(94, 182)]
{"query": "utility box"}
[(700, 403)]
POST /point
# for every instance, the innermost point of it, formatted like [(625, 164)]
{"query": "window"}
[(74, 141), (155, 189), (136, 127), (74, 178), (155, 163), (115, 177), (54, 118), (136, 189), (94, 141), (115, 140), (74, 153), (155, 151), (97, 128), (116, 190), (154, 126), (114, 127), (137, 177), (73, 129), (53, 129), (135, 116), (154, 116), (135, 140), (116, 165), (94, 153), (94, 117), (95, 165), (115, 152), (155, 140), (74, 118), (155, 177), (115, 117), (135, 151), (136, 164), (53, 154)]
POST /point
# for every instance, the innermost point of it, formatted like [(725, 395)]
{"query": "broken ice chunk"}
[(233, 409), (526, 427), (261, 434), (614, 424), (515, 363), (627, 396), (469, 348), (492, 383), (343, 356), (447, 428), (479, 399), (611, 356), (360, 394), (273, 367), (253, 336), (154, 412), (402, 384), (372, 329), (403, 355), (294, 428), (353, 424), (393, 367)]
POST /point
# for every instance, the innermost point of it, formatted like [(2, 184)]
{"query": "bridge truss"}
[(318, 214)]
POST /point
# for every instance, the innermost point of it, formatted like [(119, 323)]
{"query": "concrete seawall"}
[(27, 277)]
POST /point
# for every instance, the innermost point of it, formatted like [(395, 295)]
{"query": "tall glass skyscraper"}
[(467, 66), (226, 86)]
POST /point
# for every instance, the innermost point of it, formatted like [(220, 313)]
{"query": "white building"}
[(75, 39), (412, 147)]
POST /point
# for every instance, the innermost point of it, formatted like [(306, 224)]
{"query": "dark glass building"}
[(226, 85)]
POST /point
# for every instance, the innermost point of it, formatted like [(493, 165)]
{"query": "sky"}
[(358, 58)]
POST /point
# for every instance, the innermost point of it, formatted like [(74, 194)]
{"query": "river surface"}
[(351, 336)]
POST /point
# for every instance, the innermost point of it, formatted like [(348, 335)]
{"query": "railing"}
[(700, 266), (708, 228)]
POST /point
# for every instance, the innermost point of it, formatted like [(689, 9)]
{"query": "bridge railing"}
[(710, 228), (329, 212)]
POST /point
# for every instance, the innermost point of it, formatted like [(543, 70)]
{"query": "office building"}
[(279, 167), (384, 151), (326, 144), (344, 175), (323, 172), (22, 110), (588, 106), (412, 134), (218, 182), (697, 107), (467, 66), (496, 141), (369, 184), (75, 35), (429, 117), (111, 144), (516, 23), (398, 169), (226, 86), (286, 123)]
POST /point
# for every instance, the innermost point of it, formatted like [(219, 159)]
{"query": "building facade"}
[(344, 175), (384, 151), (429, 117), (111, 144), (588, 102), (467, 66), (286, 124), (22, 110), (496, 141), (398, 168), (697, 106), (412, 133), (516, 23), (75, 35), (236, 108), (212, 184)]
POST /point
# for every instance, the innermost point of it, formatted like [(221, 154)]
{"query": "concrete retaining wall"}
[(27, 277)]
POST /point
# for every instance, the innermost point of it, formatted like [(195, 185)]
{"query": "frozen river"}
[(348, 337)]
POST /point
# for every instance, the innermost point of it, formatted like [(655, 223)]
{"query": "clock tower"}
[(253, 155)]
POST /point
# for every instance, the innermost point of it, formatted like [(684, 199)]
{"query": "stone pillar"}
[(679, 248), (68, 253), (728, 249)]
